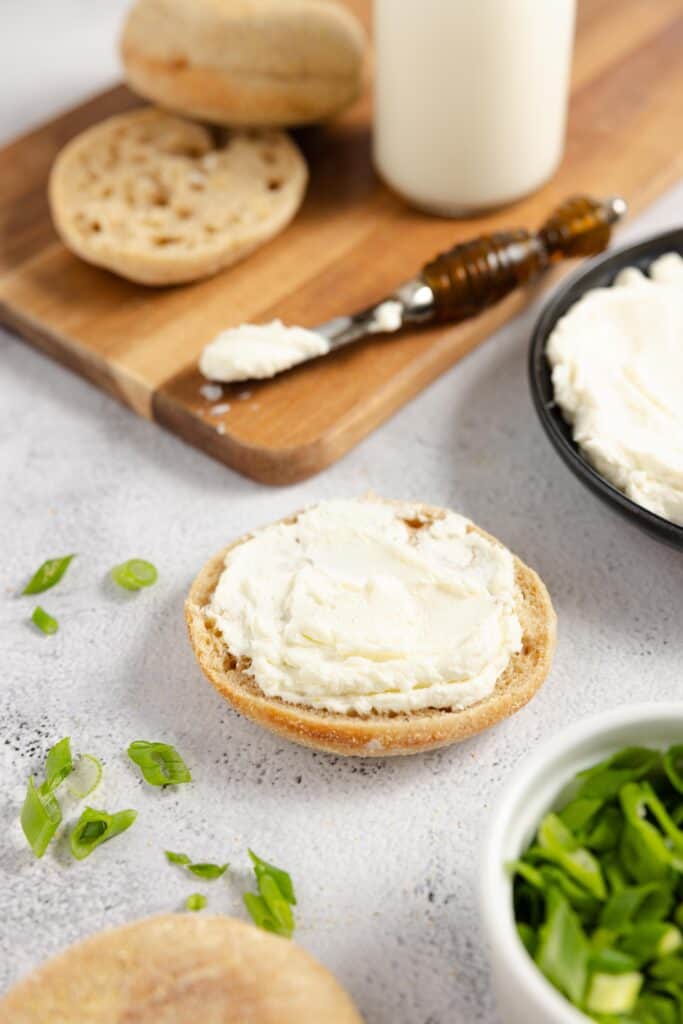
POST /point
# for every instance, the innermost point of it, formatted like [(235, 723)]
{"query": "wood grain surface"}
[(352, 242)]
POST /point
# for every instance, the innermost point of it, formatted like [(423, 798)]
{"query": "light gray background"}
[(384, 853)]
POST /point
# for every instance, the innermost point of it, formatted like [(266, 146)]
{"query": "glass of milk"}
[(470, 98)]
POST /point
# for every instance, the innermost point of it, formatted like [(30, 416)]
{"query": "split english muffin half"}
[(421, 634), (266, 62), (154, 198), (178, 968)]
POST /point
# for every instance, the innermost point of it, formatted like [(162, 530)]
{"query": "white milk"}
[(470, 98)]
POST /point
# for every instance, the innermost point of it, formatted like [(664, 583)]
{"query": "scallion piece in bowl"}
[(597, 894)]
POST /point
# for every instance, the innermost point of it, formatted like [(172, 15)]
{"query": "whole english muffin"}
[(177, 969), (259, 62), (151, 197), (374, 733)]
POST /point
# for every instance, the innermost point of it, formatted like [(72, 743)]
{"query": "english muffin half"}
[(155, 199), (180, 968), (266, 62), (372, 628)]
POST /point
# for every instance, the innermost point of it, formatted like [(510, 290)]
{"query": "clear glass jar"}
[(470, 98)]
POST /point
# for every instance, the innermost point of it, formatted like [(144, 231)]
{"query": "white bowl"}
[(523, 994)]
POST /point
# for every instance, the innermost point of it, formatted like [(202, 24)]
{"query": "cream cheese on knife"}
[(617, 359), (256, 351)]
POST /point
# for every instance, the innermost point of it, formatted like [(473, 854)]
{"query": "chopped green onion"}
[(277, 905), (49, 574), (271, 907), (655, 1008), (528, 872), (558, 844), (605, 779), (579, 813), (528, 936), (177, 858), (258, 911), (613, 993), (582, 901), (96, 827), (673, 766), (634, 903), (86, 777), (44, 621), (669, 968), (208, 871), (134, 574), (40, 818), (195, 901), (58, 765), (650, 940), (200, 869), (160, 764), (282, 878), (597, 894), (646, 853), (611, 961), (563, 949)]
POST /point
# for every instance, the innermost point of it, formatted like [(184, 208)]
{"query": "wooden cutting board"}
[(352, 242)]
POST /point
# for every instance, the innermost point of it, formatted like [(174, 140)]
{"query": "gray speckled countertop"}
[(384, 853)]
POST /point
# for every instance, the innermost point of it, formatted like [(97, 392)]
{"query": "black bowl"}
[(598, 273)]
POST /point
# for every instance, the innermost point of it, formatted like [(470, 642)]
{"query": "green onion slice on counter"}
[(195, 901), (96, 827), (40, 818), (282, 878), (177, 858), (48, 575), (58, 765), (207, 871), (44, 621), (258, 912), (271, 907), (201, 869), (598, 894), (86, 776), (160, 764), (134, 574)]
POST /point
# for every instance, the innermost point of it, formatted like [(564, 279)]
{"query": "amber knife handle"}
[(478, 273)]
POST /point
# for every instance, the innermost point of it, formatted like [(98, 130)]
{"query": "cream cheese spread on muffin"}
[(617, 359), (361, 606)]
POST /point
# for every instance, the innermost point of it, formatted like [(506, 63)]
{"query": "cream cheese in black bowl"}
[(598, 273)]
